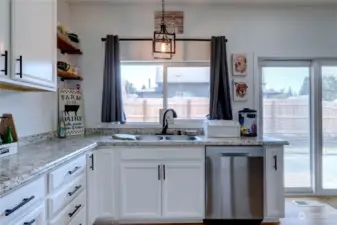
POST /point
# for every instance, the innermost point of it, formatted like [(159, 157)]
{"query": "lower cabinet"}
[(163, 186), (159, 190), (274, 183), (36, 217), (100, 184), (140, 187), (146, 184), (183, 190)]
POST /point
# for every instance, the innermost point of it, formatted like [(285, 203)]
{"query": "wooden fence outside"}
[(280, 116), (291, 117), (147, 109)]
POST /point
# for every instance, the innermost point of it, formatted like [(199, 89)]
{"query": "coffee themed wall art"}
[(239, 64), (240, 91)]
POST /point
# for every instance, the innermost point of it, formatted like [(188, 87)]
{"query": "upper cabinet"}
[(28, 48), (34, 41), (4, 37)]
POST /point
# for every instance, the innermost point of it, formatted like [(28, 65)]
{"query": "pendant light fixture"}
[(164, 43)]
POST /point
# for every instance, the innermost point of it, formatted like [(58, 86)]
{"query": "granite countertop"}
[(36, 159)]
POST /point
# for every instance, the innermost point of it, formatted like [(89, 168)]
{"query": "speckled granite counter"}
[(36, 159)]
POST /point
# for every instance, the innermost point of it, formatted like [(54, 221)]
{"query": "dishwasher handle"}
[(235, 154)]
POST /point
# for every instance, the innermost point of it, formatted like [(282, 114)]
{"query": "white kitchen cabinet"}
[(4, 37), (274, 183), (36, 217), (140, 190), (183, 190), (34, 42), (101, 184)]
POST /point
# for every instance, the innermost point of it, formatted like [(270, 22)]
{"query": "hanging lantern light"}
[(164, 43)]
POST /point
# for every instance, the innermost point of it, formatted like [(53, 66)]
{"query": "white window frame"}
[(316, 135), (197, 123)]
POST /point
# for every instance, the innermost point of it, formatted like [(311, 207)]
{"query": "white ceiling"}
[(295, 2)]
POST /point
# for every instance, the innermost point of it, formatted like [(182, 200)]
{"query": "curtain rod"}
[(150, 39)]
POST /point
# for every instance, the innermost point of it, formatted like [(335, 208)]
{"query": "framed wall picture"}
[(240, 91), (239, 64), (71, 110), (174, 21)]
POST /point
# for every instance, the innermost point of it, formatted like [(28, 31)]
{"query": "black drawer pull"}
[(164, 172), (76, 209), (20, 66), (5, 70), (74, 170), (275, 162), (74, 191), (29, 223), (24, 202), (92, 162)]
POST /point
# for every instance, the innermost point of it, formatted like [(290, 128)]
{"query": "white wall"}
[(259, 31), (33, 112)]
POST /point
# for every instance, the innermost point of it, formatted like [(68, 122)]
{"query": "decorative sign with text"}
[(71, 110)]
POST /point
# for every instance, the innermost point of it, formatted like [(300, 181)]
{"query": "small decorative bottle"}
[(8, 139), (62, 127)]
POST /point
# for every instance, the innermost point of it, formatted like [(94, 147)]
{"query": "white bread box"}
[(221, 129)]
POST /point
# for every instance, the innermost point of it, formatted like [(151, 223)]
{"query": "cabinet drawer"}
[(163, 153), (66, 173), (21, 201), (36, 217), (80, 218), (62, 197), (71, 210)]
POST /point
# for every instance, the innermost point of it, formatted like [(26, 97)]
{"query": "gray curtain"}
[(112, 105), (220, 100)]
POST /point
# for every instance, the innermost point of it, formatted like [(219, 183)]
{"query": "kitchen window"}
[(149, 87)]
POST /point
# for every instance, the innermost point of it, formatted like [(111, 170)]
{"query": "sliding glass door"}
[(300, 105), (329, 127), (286, 115)]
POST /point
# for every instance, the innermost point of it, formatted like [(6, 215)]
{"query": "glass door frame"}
[(317, 69), (293, 63)]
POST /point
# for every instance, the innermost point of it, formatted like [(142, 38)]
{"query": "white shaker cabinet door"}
[(140, 190), (274, 183), (4, 38), (100, 185), (183, 190), (34, 41)]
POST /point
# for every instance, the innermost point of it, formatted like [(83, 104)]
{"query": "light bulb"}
[(164, 47)]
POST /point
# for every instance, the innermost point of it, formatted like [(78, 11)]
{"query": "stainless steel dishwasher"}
[(234, 183)]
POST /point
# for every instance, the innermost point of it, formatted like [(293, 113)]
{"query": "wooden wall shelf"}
[(68, 76), (66, 46)]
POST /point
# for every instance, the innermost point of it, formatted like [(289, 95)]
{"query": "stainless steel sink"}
[(149, 138), (181, 138), (166, 138)]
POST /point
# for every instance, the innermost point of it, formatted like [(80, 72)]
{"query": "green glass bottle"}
[(62, 127), (8, 139)]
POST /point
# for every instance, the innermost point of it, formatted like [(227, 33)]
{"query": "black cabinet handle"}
[(275, 162), (92, 162), (158, 172), (76, 209), (164, 172), (20, 65), (74, 191), (74, 170), (29, 223), (22, 203), (5, 70)]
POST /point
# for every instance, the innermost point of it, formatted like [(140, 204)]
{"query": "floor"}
[(301, 215)]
